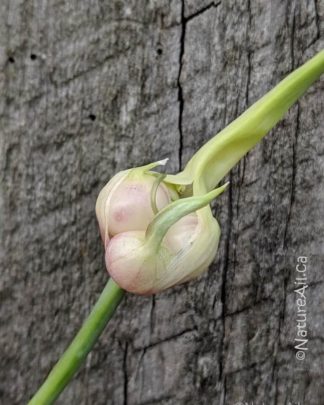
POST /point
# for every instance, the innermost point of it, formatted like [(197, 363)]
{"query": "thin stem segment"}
[(81, 345)]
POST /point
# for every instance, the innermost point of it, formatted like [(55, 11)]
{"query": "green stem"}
[(81, 345), (217, 157)]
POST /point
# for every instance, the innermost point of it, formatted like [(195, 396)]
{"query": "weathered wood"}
[(92, 87)]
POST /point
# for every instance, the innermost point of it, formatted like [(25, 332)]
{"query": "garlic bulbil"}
[(124, 204), (178, 245)]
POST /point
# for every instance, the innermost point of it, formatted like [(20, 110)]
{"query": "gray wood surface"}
[(90, 87)]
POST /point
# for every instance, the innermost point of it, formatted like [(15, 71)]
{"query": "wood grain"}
[(90, 87)]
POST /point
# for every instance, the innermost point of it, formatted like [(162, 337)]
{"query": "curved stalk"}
[(169, 215), (220, 154), (81, 345)]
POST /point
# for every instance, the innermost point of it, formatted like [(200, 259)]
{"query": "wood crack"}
[(292, 198), (167, 339), (125, 372), (152, 314), (180, 92), (222, 376), (317, 21), (202, 10), (184, 21), (294, 145)]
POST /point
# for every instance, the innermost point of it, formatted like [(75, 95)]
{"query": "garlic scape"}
[(217, 157), (155, 237), (158, 230)]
